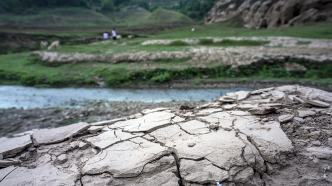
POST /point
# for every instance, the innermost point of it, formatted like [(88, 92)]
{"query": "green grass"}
[(232, 29)]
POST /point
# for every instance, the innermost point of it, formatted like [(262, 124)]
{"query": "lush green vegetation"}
[(195, 9), (18, 68)]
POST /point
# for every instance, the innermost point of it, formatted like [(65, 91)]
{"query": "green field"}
[(18, 69)]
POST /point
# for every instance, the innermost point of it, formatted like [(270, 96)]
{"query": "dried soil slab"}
[(306, 113), (11, 146), (317, 103), (242, 95), (49, 136), (109, 138), (208, 111), (201, 172), (223, 119), (41, 176), (269, 138), (195, 127), (261, 110), (222, 148), (95, 129), (126, 159), (285, 118), (260, 91), (149, 111), (149, 122), (5, 172)]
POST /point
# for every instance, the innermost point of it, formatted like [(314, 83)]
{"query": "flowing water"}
[(29, 97)]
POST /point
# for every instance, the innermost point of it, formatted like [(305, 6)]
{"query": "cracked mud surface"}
[(274, 136)]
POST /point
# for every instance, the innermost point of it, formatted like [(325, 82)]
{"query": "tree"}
[(107, 5)]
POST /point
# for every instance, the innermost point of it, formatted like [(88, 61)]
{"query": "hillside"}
[(270, 14), (166, 16)]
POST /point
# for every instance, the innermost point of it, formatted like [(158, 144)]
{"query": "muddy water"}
[(29, 97)]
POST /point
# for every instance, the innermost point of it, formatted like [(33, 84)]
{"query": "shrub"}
[(115, 76)]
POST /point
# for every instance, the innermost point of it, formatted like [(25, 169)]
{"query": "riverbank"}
[(15, 120)]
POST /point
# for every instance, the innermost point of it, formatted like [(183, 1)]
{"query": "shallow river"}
[(29, 97)]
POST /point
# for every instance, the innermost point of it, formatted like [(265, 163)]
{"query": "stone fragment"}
[(295, 67), (285, 118), (74, 144), (316, 103), (239, 113), (11, 146), (316, 143), (194, 127), (201, 172), (244, 176), (126, 159), (106, 139), (49, 136), (62, 159), (83, 145), (242, 95), (261, 110), (211, 105), (299, 100), (247, 106), (306, 113), (95, 129), (319, 152), (191, 144), (109, 122), (6, 163), (6, 171), (22, 134), (41, 175), (229, 106), (299, 120)]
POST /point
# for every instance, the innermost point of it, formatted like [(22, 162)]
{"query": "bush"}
[(161, 78), (116, 76), (178, 43)]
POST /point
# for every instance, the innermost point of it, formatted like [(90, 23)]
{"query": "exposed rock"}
[(261, 110), (305, 113), (201, 172), (118, 159), (62, 159), (109, 138), (49, 136), (22, 134), (270, 14), (11, 146), (317, 103), (161, 147), (285, 118), (95, 129), (42, 175)]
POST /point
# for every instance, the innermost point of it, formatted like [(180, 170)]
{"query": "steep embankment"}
[(271, 13)]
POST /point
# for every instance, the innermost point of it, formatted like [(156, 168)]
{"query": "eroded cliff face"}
[(271, 13), (273, 136)]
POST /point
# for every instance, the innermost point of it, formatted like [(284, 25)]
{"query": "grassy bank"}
[(18, 69)]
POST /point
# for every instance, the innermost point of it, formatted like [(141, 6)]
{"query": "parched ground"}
[(274, 136)]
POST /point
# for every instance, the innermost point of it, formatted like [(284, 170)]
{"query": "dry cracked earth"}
[(275, 136)]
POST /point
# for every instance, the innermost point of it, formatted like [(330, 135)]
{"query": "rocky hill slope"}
[(271, 13), (274, 136)]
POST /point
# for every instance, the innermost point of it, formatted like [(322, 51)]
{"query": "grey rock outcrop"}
[(271, 13), (200, 146)]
